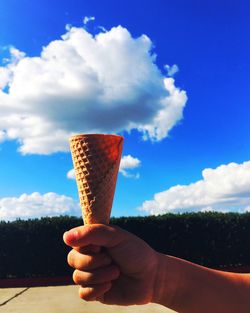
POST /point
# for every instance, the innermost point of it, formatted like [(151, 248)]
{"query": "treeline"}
[(34, 248)]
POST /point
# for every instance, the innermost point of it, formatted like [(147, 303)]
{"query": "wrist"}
[(167, 281)]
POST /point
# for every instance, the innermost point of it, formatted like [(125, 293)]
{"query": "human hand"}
[(116, 267), (112, 265)]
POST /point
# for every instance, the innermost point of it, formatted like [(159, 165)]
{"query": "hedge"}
[(34, 248)]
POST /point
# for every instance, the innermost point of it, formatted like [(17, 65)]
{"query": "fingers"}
[(88, 249), (94, 284), (96, 234), (86, 262), (94, 271), (94, 292), (95, 277)]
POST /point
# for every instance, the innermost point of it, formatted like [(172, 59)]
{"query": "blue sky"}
[(199, 163)]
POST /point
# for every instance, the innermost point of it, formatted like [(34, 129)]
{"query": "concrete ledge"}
[(64, 299)]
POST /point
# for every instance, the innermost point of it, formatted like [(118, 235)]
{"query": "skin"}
[(114, 266)]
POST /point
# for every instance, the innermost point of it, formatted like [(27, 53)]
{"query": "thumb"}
[(94, 234)]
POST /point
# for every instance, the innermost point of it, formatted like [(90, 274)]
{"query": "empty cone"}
[(96, 160)]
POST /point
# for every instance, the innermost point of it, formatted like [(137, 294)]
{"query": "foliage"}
[(35, 248)]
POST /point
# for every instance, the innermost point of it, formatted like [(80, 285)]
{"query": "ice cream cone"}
[(96, 159)]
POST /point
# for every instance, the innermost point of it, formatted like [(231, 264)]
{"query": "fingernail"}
[(65, 235)]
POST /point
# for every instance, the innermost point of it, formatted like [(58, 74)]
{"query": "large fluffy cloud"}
[(107, 82), (37, 205), (224, 188)]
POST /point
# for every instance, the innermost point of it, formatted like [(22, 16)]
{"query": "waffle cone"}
[(96, 160)]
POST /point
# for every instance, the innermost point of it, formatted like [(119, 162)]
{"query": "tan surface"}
[(6, 294), (64, 300)]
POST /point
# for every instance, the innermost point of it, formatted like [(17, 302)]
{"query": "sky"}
[(172, 77)]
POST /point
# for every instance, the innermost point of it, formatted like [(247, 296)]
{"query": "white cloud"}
[(4, 77), (87, 19), (171, 70), (168, 116), (16, 55), (84, 83), (36, 205), (224, 188), (247, 209), (6, 73), (71, 174), (129, 163), (68, 27), (2, 136)]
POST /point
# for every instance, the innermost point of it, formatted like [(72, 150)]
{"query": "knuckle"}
[(70, 258), (80, 293), (88, 262), (77, 277), (90, 278), (91, 262), (83, 278), (86, 293)]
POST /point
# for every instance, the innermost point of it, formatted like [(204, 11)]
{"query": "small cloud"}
[(71, 174), (129, 175), (68, 27), (171, 70), (37, 205), (87, 19), (103, 29), (129, 163)]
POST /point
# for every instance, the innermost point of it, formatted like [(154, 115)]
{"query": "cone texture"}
[(96, 160)]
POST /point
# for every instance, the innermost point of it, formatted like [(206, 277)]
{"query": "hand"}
[(119, 268)]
